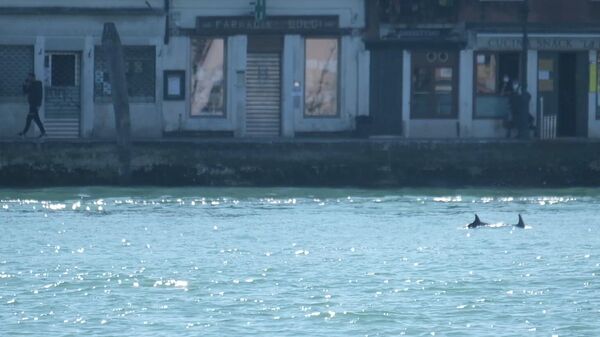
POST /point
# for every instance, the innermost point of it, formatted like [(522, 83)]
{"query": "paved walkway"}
[(378, 139)]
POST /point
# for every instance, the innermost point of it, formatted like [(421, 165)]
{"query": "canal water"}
[(298, 262)]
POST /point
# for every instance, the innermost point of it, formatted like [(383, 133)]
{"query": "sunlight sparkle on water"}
[(214, 262)]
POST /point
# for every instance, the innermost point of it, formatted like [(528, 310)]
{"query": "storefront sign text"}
[(539, 43), (272, 24)]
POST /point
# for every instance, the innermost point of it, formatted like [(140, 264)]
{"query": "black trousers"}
[(33, 115)]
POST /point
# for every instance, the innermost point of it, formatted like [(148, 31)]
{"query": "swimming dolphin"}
[(477, 223), (521, 223)]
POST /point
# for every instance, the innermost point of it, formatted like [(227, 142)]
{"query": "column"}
[(348, 87), (465, 93), (292, 85), (406, 92), (39, 50), (236, 82), (87, 88), (364, 81)]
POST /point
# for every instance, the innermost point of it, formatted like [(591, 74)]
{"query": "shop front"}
[(291, 73), (415, 82), (434, 93), (561, 75)]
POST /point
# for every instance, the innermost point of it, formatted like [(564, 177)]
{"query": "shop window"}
[(208, 77), (495, 75), (434, 84), (16, 62), (321, 78), (140, 73)]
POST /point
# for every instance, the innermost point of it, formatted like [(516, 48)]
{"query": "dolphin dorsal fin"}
[(477, 219), (521, 222)]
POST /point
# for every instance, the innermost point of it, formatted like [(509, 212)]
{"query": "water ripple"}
[(290, 262)]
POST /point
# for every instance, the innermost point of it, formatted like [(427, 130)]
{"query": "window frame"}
[(190, 82), (107, 99), (455, 82), (180, 74), (338, 77)]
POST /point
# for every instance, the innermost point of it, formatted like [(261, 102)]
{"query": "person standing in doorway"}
[(33, 89)]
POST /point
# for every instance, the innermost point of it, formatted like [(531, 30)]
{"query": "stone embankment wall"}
[(358, 163)]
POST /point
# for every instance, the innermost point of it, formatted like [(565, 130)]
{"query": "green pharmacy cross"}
[(260, 10)]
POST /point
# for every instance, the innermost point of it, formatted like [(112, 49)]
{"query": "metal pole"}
[(167, 22), (523, 118)]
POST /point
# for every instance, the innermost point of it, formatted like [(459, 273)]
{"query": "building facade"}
[(448, 68), (60, 41), (194, 68), (285, 69)]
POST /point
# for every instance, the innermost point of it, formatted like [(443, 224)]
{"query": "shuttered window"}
[(140, 71), (16, 62)]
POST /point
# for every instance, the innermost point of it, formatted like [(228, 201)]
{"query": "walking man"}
[(33, 89)]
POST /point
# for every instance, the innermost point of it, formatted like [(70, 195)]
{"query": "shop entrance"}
[(62, 96), (562, 80), (386, 92), (263, 86)]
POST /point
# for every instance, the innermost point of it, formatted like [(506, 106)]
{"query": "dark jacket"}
[(34, 93)]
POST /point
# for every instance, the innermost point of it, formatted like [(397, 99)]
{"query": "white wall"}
[(433, 128), (291, 72), (145, 121), (82, 3), (488, 128), (176, 56), (12, 116), (351, 12), (67, 27)]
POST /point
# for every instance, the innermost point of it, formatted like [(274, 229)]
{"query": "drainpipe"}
[(523, 118), (167, 19)]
